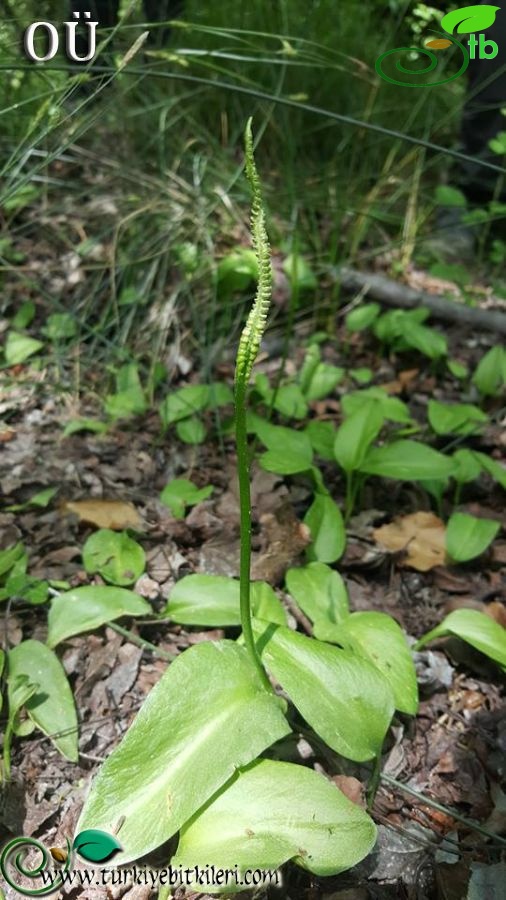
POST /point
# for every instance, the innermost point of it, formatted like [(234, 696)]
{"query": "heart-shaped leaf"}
[(272, 812), (209, 715), (51, 705), (87, 608), (96, 846), (476, 628), (470, 19), (115, 556), (344, 698)]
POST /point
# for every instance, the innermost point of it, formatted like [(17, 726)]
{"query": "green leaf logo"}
[(96, 846), (469, 19)]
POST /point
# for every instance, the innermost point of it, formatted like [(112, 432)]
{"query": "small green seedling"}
[(180, 493), (184, 407), (115, 556), (129, 399)]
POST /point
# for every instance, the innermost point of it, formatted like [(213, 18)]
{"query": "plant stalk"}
[(243, 474)]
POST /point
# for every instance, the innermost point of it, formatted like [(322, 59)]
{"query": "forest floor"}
[(451, 754)]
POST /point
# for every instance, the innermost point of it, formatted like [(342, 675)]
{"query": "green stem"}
[(141, 642), (241, 437)]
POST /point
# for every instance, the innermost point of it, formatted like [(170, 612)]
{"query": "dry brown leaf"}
[(114, 514), (421, 535)]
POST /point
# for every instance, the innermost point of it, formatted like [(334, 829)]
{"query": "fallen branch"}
[(394, 293)]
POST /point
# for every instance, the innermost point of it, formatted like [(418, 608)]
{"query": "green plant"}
[(490, 374), (183, 408), (174, 771), (476, 628), (180, 493), (468, 537)]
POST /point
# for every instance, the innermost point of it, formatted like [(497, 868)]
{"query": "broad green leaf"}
[(325, 522), (392, 408), (362, 317), (407, 460), (319, 591), (429, 342), (455, 418), (220, 394), (476, 628), (206, 717), (312, 358), (24, 315), (184, 403), (498, 145), (87, 608), (212, 601), (469, 19), (446, 195), (490, 374), (378, 638), (51, 706), (458, 369), (289, 451), (115, 556), (21, 586), (191, 430), (19, 347), (290, 402), (356, 434), (299, 273), (10, 556), (389, 326), (125, 404), (180, 493), (323, 381), (237, 270), (491, 466), (467, 466), (343, 697), (322, 436), (362, 375), (96, 846), (468, 537), (60, 326), (266, 604), (287, 812)]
